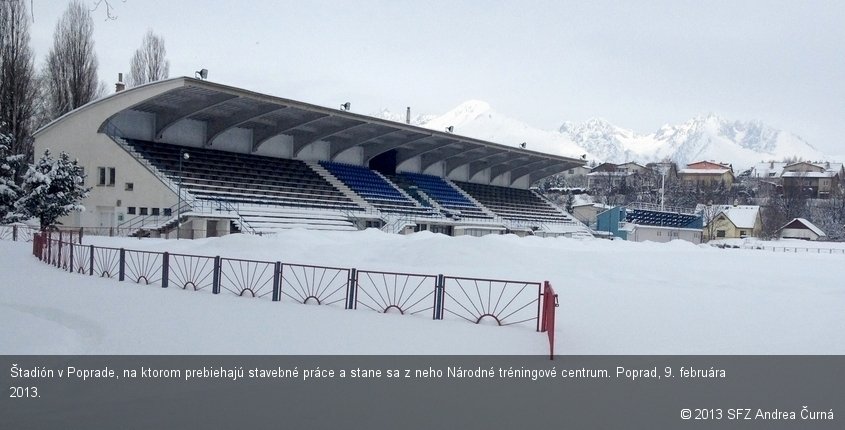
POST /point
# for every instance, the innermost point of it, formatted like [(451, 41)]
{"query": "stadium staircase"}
[(377, 190), (447, 196), (337, 183)]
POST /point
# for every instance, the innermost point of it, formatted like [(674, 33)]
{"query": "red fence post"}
[(548, 319)]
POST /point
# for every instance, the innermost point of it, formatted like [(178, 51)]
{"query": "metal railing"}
[(504, 302), (784, 249), (656, 207)]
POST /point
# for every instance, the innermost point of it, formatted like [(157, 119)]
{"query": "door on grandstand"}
[(211, 228), (105, 216)]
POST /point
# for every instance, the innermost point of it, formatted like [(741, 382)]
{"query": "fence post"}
[(439, 289), (14, 233), (215, 286), (59, 256), (91, 261), (49, 247), (541, 310), (352, 290), (165, 269), (122, 268), (70, 258), (80, 235), (277, 281)]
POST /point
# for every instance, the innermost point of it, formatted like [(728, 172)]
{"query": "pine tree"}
[(52, 189), (10, 192)]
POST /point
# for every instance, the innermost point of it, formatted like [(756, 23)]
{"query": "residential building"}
[(800, 228), (707, 174), (812, 180), (731, 222)]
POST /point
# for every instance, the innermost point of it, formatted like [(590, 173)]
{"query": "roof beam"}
[(457, 161), (339, 147), (261, 135), (166, 120), (536, 175), (507, 166), (421, 151), (429, 159), (300, 141), (522, 170), (381, 148), (217, 127), (482, 163)]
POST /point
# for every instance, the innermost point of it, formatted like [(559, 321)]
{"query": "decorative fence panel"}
[(81, 259), (407, 293), (143, 267), (106, 262), (315, 284), (17, 232), (505, 302), (190, 272), (246, 277)]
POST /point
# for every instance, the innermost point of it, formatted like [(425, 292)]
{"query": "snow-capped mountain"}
[(702, 138), (400, 117)]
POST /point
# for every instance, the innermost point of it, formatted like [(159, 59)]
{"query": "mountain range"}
[(709, 137)]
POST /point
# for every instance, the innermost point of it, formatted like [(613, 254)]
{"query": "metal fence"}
[(498, 301), (785, 249)]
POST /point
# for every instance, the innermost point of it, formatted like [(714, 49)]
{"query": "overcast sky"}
[(542, 62)]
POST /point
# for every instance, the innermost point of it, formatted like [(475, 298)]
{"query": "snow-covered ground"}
[(616, 297)]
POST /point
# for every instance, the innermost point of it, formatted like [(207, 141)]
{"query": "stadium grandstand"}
[(186, 157)]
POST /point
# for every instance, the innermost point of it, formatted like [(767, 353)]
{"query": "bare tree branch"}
[(149, 63), (110, 15), (70, 73), (18, 89)]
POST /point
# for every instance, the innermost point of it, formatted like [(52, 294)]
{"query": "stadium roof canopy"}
[(223, 108)]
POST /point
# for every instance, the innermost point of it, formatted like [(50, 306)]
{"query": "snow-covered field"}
[(616, 297)]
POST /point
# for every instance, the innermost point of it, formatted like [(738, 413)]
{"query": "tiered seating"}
[(664, 219), (244, 178), (270, 219), (514, 204), (375, 189), (445, 194)]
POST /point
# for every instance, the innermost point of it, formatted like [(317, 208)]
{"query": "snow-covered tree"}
[(52, 189), (10, 192)]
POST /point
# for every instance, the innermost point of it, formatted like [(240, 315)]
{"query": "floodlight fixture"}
[(345, 106), (202, 74), (450, 129)]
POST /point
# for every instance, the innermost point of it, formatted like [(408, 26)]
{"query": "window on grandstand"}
[(130, 210), (144, 211), (155, 211), (105, 176), (129, 186), (167, 211)]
